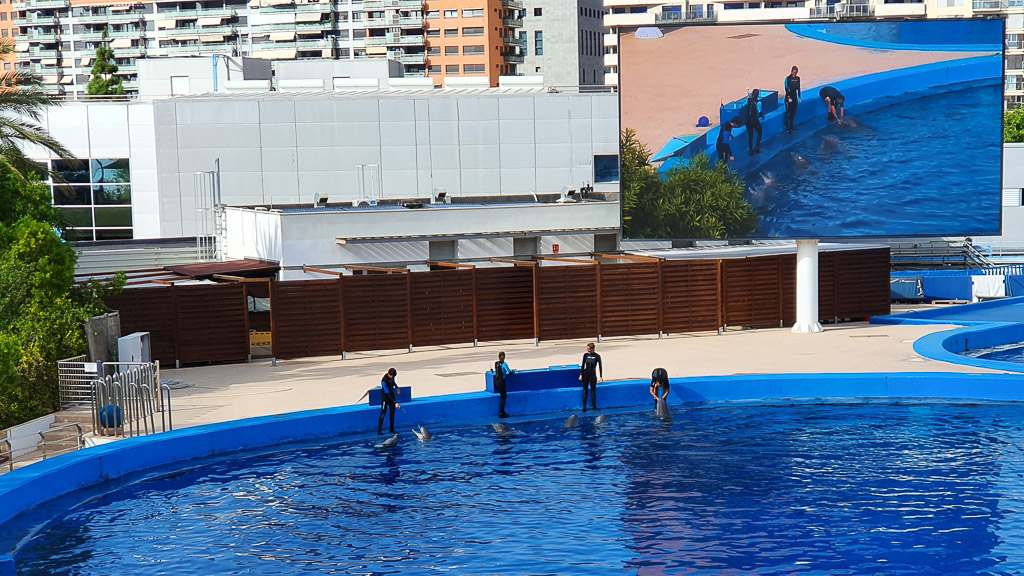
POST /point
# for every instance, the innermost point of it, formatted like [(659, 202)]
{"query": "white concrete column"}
[(806, 287)]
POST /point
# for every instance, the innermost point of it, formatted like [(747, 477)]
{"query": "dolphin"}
[(769, 179), (500, 428), (662, 410), (422, 434), (388, 443), (799, 161), (830, 143), (852, 123), (572, 421), (602, 419)]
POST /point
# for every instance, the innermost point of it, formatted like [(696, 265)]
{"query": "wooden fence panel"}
[(826, 286), (376, 312), (630, 299), (306, 318), (787, 288), (567, 302), (752, 291), (862, 283), (504, 303), (148, 310), (442, 307), (691, 301), (212, 323)]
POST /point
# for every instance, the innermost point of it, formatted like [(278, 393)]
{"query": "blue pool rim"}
[(813, 32), (948, 345), (27, 487)]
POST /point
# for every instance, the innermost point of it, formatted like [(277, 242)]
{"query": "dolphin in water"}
[(662, 410), (851, 123), (500, 428), (799, 161), (602, 419), (572, 421), (831, 143), (769, 179), (422, 434), (388, 443)]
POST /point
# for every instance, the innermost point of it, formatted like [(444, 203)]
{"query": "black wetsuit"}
[(500, 370), (722, 145), (834, 96), (753, 125), (792, 100), (589, 367), (388, 399), (659, 378)]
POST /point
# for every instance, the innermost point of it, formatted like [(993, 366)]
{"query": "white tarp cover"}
[(993, 286), (259, 304)]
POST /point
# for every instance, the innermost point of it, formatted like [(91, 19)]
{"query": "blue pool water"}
[(921, 33), (918, 167), (839, 489), (1013, 352)]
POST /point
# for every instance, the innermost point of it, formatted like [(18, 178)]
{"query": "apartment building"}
[(8, 32), (57, 38), (631, 13), (564, 41), (473, 39)]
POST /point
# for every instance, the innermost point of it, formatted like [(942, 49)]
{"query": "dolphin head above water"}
[(602, 419), (572, 421), (500, 428), (389, 442), (422, 434)]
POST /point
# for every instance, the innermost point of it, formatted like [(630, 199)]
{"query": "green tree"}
[(22, 101), (1013, 125), (697, 200), (103, 81)]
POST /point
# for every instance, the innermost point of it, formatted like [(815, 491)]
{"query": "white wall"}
[(155, 75), (252, 234)]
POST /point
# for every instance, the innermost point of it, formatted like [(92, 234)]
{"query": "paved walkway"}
[(229, 392)]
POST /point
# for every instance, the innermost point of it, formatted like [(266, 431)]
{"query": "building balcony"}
[(315, 44), (121, 16), (512, 22), (611, 59), (98, 34), (510, 41), (192, 14), (381, 4), (42, 4), (43, 37), (688, 16), (512, 4), (640, 19), (412, 58), (514, 59), (990, 5), (391, 40)]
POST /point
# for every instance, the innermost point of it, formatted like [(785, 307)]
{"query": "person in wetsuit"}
[(792, 98), (834, 100), (723, 145), (753, 124), (388, 399), (501, 370), (590, 366), (659, 385)]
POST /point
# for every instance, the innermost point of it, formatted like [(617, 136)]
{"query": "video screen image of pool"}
[(923, 488)]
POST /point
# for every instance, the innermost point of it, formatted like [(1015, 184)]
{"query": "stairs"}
[(61, 438)]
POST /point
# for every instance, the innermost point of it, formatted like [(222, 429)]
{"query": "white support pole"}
[(806, 287)]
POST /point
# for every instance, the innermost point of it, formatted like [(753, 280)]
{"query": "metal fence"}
[(126, 401), (74, 381)]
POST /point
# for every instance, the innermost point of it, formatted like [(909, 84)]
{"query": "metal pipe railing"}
[(10, 454), (43, 441)]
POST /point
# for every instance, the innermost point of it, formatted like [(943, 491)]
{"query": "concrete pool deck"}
[(233, 391), (691, 71)]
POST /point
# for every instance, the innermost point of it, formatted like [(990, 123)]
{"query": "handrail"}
[(43, 441)]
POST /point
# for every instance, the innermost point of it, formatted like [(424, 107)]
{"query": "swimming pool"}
[(902, 489), (840, 181)]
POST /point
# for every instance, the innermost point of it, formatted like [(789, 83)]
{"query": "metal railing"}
[(43, 442), (937, 254), (74, 381), (10, 454), (125, 403)]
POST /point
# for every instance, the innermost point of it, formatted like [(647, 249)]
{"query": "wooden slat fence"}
[(306, 318)]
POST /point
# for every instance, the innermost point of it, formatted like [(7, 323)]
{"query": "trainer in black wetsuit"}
[(792, 98), (753, 124), (659, 385), (834, 100), (590, 367), (501, 370), (388, 399)]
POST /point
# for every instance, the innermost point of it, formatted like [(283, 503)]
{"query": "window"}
[(342, 34), (538, 11), (433, 32), (110, 171), (472, 31), (451, 50), (7, 65), (434, 70), (474, 69), (451, 69), (470, 50), (344, 53), (433, 14), (606, 168), (538, 42), (473, 13), (359, 33), (443, 249), (434, 51), (94, 199), (3, 15), (451, 13), (5, 33), (451, 32), (358, 16)]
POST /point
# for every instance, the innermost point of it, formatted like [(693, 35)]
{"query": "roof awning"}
[(120, 7), (281, 36), (121, 43), (211, 37), (276, 2), (48, 61), (310, 32), (164, 24), (246, 267), (21, 47), (87, 60), (307, 17), (66, 80), (210, 21)]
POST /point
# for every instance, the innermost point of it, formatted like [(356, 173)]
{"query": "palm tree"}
[(22, 101)]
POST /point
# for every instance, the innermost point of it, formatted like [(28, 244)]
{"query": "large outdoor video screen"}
[(812, 130)]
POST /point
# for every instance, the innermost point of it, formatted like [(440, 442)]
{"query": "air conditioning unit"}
[(363, 203)]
